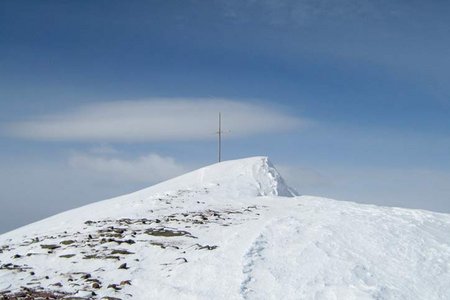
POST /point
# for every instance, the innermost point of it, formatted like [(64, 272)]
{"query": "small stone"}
[(123, 252), (51, 247), (95, 285), (58, 284), (112, 257), (125, 282), (67, 242), (182, 259), (208, 247), (114, 286), (123, 266)]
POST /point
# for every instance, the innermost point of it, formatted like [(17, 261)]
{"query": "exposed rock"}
[(51, 247), (114, 286), (112, 257), (32, 294), (166, 232), (207, 247), (182, 259), (120, 251), (95, 285), (125, 282), (58, 284), (67, 242)]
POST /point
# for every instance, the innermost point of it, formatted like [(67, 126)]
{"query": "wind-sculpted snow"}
[(224, 232), (346, 251), (270, 182), (254, 176)]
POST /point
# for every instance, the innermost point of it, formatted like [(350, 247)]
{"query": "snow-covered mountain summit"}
[(233, 230), (254, 176)]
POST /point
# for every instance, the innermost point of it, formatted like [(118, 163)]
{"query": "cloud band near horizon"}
[(156, 119)]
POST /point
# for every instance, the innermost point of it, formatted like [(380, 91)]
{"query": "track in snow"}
[(262, 265), (223, 233), (283, 264)]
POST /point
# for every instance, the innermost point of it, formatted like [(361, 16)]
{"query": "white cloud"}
[(150, 168), (32, 190), (156, 120)]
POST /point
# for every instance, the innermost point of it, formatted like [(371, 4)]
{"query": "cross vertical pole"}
[(220, 138)]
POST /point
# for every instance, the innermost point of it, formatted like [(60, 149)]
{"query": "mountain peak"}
[(210, 226), (253, 176)]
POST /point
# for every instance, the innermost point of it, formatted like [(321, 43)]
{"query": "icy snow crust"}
[(233, 230)]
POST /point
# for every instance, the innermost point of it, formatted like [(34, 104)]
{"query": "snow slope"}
[(233, 230)]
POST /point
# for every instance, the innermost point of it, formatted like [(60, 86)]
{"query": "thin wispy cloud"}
[(148, 168), (156, 120), (373, 76), (47, 187), (405, 39), (298, 14)]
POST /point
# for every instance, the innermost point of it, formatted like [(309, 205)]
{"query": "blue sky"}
[(350, 99)]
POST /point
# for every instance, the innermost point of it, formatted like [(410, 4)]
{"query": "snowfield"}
[(233, 230)]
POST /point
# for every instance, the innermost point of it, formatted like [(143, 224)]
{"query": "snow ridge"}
[(253, 176), (270, 181), (225, 232)]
